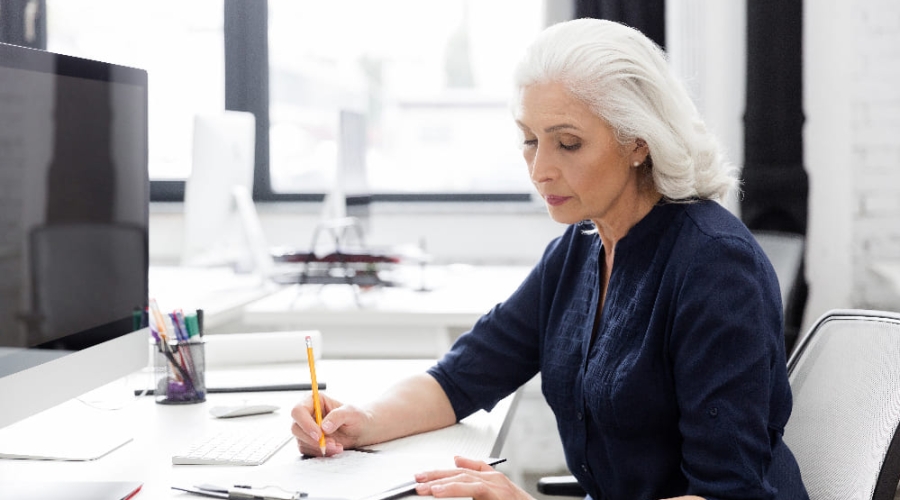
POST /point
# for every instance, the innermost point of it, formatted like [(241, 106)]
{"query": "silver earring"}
[(636, 164)]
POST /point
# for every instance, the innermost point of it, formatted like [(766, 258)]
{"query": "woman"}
[(655, 320)]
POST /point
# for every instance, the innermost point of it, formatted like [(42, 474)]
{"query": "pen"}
[(159, 327), (181, 371), (182, 324), (315, 392), (181, 332), (176, 327)]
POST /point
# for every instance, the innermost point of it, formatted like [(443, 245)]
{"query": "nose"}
[(540, 166)]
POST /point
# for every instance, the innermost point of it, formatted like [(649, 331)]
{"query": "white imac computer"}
[(74, 210), (215, 222)]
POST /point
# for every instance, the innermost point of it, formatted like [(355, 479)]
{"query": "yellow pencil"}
[(317, 405)]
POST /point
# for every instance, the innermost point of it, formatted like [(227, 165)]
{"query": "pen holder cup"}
[(179, 370)]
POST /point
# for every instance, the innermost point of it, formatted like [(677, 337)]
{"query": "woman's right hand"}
[(344, 426)]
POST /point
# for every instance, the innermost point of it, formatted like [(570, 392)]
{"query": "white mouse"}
[(241, 410)]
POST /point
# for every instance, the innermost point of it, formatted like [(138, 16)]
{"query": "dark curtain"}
[(775, 190), (23, 23), (247, 75), (647, 16), (775, 182)]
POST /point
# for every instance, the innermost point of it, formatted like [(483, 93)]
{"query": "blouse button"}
[(713, 412), (579, 416), (584, 468)]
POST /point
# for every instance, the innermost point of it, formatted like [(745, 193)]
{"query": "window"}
[(179, 43), (432, 79)]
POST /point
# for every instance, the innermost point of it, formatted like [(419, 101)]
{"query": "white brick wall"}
[(851, 91), (875, 142)]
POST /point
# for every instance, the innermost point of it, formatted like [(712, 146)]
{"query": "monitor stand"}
[(77, 430), (61, 445)]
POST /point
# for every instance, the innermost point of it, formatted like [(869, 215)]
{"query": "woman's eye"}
[(530, 142), (570, 147)]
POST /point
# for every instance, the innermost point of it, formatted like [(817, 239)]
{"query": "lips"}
[(555, 201)]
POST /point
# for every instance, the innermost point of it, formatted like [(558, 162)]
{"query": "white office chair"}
[(845, 379)]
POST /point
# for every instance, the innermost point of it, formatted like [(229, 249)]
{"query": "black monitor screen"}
[(73, 202)]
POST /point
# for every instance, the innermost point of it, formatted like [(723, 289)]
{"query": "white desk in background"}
[(889, 271), (219, 291), (162, 430), (394, 322)]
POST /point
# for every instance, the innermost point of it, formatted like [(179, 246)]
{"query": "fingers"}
[(305, 426), (461, 462), (453, 489), (468, 463), (307, 431), (468, 483), (473, 478), (311, 448), (342, 426)]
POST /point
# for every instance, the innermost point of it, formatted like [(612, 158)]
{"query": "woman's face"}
[(574, 159)]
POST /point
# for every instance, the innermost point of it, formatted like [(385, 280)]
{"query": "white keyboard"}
[(244, 446)]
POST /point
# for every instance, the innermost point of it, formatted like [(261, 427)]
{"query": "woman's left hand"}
[(473, 478)]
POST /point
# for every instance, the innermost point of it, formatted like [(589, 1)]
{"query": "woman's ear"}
[(640, 152)]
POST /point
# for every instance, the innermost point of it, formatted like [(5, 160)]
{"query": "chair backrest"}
[(845, 378), (785, 251)]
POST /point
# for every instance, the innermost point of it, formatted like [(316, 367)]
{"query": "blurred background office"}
[(804, 96), (431, 78)]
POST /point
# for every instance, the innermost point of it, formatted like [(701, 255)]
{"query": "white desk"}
[(889, 271), (220, 292), (393, 322), (162, 430)]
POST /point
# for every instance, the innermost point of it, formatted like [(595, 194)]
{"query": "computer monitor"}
[(74, 205), (223, 159)]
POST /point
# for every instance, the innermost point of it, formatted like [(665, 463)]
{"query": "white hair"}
[(624, 78)]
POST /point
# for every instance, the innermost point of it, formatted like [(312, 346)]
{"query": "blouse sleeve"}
[(501, 351), (728, 360)]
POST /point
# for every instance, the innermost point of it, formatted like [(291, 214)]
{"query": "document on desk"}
[(476, 436), (354, 475), (467, 439)]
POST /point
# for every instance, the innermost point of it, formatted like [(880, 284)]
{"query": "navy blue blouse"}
[(683, 391)]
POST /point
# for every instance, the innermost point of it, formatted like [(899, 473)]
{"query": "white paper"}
[(350, 475)]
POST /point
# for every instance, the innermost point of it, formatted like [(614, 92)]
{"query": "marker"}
[(192, 327), (315, 391), (200, 325)]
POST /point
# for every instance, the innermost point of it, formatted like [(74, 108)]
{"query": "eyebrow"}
[(561, 126), (551, 129)]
